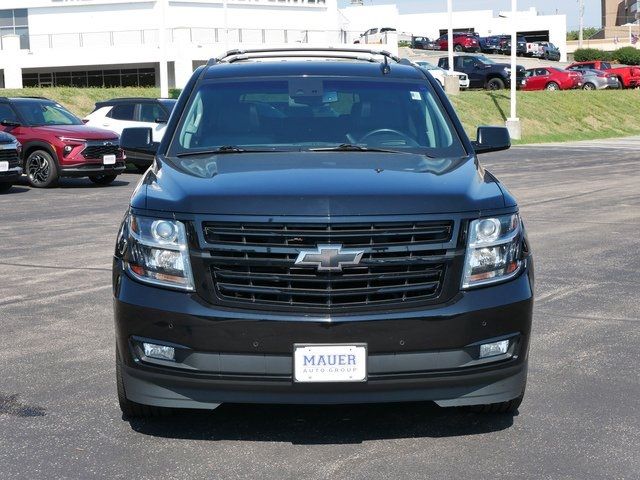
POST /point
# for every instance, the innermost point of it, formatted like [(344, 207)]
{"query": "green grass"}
[(546, 116), (81, 100), (555, 116)]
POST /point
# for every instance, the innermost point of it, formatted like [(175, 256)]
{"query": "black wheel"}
[(102, 179), (41, 169), (457, 48), (495, 84), (132, 409), (546, 56), (588, 86), (5, 187), (503, 407), (552, 86)]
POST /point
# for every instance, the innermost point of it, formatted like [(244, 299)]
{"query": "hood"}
[(83, 132), (326, 184), (6, 138)]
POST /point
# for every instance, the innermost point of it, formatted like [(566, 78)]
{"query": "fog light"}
[(495, 348), (161, 352)]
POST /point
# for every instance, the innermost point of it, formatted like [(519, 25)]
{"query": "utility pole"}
[(163, 64), (450, 34), (451, 82), (225, 17), (513, 122), (581, 16)]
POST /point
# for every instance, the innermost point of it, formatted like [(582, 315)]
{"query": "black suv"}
[(10, 164), (484, 72), (319, 230)]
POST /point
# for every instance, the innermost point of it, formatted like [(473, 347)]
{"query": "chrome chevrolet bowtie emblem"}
[(329, 258)]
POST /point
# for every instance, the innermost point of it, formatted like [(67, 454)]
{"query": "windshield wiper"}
[(225, 149), (349, 147)]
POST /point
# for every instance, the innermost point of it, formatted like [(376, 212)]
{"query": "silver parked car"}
[(596, 79)]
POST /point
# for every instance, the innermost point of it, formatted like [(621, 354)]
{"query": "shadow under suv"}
[(57, 144), (319, 230)]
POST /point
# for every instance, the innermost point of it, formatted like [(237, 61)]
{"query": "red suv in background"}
[(55, 143), (462, 42), (550, 78)]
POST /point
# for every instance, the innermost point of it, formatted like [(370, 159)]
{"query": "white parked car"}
[(120, 113), (375, 35), (440, 73)]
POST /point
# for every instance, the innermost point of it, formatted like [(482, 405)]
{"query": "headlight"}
[(158, 252), (493, 250)]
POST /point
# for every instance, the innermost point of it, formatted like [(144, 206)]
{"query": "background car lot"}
[(59, 417)]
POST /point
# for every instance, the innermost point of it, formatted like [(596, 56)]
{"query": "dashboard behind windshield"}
[(310, 112)]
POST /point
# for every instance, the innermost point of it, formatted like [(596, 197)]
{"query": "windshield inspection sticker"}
[(415, 96)]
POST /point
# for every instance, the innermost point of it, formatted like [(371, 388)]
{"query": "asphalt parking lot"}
[(59, 416)]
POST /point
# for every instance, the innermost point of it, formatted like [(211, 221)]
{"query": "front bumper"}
[(241, 356), (89, 169), (11, 176)]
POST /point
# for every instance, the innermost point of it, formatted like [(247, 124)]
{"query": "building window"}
[(15, 22), (131, 77)]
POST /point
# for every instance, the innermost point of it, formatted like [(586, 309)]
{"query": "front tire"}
[(41, 169), (132, 409), (102, 179), (552, 86), (495, 84), (457, 48)]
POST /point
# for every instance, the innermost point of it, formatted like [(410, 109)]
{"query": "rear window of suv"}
[(305, 113)]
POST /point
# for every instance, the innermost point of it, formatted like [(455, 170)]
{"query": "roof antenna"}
[(385, 66)]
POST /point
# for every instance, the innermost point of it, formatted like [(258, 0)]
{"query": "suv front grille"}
[(255, 263), (11, 156), (100, 150)]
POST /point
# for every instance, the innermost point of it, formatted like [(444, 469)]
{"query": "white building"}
[(159, 42)]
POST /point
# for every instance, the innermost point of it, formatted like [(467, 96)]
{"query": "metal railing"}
[(194, 36)]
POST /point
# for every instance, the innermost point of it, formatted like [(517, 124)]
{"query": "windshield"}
[(303, 113), (428, 66), (39, 113)]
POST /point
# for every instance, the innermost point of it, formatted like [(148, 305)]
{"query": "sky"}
[(592, 15)]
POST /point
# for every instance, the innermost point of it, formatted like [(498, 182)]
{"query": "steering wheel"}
[(380, 131)]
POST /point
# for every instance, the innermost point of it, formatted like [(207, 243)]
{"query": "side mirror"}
[(138, 140), (491, 139)]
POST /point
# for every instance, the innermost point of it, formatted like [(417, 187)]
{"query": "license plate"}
[(109, 160), (4, 166), (329, 363)]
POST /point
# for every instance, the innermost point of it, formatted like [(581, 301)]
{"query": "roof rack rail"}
[(35, 97), (329, 52)]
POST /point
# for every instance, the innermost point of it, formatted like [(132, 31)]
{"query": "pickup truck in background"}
[(546, 50), (628, 76), (375, 35), (483, 72)]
